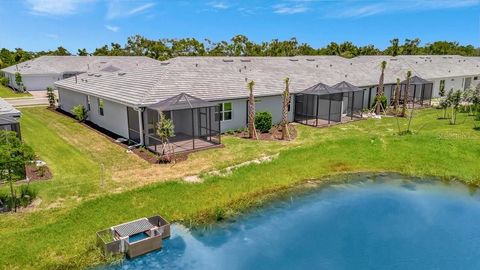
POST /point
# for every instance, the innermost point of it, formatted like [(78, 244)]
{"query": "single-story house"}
[(42, 72), (205, 96), (9, 117)]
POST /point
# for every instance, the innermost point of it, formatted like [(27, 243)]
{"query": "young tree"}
[(51, 97), (80, 113), (165, 130), (286, 101), (455, 100), (467, 99), (405, 96), (397, 95), (252, 132), (14, 155), (380, 90), (19, 81)]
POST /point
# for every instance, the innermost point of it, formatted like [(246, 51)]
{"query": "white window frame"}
[(222, 112)]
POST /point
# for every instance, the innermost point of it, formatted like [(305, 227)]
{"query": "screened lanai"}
[(419, 94), (322, 105), (196, 121)]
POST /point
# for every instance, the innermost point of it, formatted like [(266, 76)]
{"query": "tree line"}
[(240, 45)]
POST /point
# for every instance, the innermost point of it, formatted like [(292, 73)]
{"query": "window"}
[(100, 106), (88, 103), (289, 102), (223, 112), (442, 86), (475, 78)]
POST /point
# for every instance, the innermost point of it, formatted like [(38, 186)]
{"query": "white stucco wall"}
[(115, 114), (272, 104), (34, 82)]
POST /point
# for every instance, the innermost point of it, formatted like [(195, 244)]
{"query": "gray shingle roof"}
[(76, 64), (220, 78)]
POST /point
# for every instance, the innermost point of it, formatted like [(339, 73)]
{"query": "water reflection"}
[(385, 223)]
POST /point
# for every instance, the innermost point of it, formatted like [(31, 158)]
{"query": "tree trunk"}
[(379, 94), (397, 97), (405, 98), (285, 131), (252, 132)]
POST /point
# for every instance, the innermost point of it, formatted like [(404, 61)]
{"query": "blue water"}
[(137, 237), (389, 223)]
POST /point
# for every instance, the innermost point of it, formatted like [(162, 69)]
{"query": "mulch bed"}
[(275, 134), (34, 173)]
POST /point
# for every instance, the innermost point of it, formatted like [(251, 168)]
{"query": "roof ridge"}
[(150, 90)]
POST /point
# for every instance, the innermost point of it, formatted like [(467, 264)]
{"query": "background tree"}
[(165, 130), (82, 52), (14, 155), (286, 102), (380, 90), (252, 132), (19, 81)]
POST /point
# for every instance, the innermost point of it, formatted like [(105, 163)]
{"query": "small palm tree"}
[(380, 88), (405, 96), (286, 100), (252, 132), (165, 130), (397, 95)]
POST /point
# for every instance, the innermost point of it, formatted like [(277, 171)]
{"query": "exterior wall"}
[(114, 116), (455, 83), (272, 104), (34, 82), (69, 99)]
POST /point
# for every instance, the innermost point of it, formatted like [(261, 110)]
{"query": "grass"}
[(6, 92), (61, 233)]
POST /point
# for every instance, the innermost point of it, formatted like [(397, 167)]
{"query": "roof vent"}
[(240, 70), (346, 75), (245, 60), (317, 66), (121, 73), (393, 59), (228, 60), (196, 64), (310, 59), (351, 63), (331, 65), (97, 75), (163, 63), (246, 79), (293, 60)]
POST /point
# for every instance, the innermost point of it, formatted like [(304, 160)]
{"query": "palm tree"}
[(286, 100), (252, 132), (380, 88), (405, 95), (397, 95)]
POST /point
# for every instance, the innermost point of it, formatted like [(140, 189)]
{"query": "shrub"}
[(80, 113), (230, 132), (51, 97), (383, 100), (4, 81), (27, 195), (263, 121)]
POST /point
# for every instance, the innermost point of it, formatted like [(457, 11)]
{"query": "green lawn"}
[(6, 92), (60, 234)]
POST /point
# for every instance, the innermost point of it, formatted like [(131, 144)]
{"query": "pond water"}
[(386, 223)]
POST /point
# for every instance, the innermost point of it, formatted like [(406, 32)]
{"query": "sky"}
[(46, 24)]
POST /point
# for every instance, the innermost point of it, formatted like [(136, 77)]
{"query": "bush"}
[(383, 101), (80, 113), (27, 195), (263, 121), (4, 81)]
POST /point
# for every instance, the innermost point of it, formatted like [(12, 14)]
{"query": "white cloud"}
[(218, 5), (112, 28), (123, 9), (55, 7), (358, 11), (290, 9)]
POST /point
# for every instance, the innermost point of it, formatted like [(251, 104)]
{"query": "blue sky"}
[(46, 24)]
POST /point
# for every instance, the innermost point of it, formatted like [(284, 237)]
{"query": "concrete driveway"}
[(39, 98)]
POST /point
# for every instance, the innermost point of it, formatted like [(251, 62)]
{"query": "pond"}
[(386, 223)]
